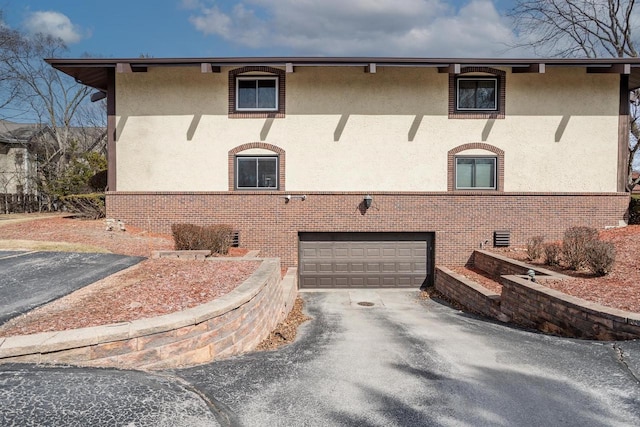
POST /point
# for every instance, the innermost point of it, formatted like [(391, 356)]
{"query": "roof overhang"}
[(95, 72)]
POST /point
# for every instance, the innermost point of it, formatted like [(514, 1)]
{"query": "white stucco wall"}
[(346, 130), (16, 170)]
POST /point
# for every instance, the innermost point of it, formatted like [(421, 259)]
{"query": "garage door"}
[(364, 260)]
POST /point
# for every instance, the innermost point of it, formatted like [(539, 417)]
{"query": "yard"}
[(153, 287), (156, 287), (619, 289)]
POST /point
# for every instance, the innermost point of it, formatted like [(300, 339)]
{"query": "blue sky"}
[(210, 28)]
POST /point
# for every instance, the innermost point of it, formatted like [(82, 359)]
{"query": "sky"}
[(224, 28)]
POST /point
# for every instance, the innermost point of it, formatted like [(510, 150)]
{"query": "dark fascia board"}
[(93, 71)]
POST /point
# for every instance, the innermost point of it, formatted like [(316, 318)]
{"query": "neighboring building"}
[(366, 171), (17, 159)]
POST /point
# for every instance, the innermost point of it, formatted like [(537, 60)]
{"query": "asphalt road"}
[(31, 279), (403, 362)]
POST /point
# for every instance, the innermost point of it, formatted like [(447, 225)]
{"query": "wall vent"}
[(236, 239), (501, 238)]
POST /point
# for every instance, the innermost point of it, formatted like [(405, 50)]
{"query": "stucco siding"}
[(346, 130)]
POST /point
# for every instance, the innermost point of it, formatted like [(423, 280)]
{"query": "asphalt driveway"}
[(401, 362), (406, 362), (31, 279)]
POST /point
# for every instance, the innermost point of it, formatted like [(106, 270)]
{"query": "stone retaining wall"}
[(497, 265), (536, 306), (232, 324), (467, 292), (533, 305)]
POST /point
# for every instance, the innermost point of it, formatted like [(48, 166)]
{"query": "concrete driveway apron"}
[(409, 362), (31, 279)]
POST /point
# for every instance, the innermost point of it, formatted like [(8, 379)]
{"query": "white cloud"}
[(428, 28), (54, 24)]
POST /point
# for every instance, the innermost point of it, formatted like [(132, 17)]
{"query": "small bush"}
[(552, 252), (600, 257), (187, 237), (85, 205), (534, 247), (216, 238), (574, 245), (634, 210)]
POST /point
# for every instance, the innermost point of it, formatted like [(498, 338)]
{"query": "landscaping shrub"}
[(534, 247), (187, 237), (552, 252), (216, 238), (574, 245), (600, 257), (85, 205), (634, 210)]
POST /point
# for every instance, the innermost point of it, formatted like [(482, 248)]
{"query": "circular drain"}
[(366, 304)]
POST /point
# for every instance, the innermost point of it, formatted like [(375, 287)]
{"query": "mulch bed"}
[(619, 289), (152, 288), (285, 332)]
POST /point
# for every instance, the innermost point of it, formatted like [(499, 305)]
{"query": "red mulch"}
[(151, 288), (133, 241), (619, 289), (479, 277)]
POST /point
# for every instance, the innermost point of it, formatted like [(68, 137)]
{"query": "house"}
[(17, 158), (365, 172)]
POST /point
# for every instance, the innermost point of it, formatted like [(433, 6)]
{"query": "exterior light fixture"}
[(367, 201), (532, 275)]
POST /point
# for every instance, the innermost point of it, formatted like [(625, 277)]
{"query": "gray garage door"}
[(364, 260)]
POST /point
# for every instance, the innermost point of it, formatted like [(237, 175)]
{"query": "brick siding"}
[(461, 220)]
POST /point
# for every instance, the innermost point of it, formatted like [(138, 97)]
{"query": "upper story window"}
[(257, 172), (477, 94), (256, 93), (475, 173)]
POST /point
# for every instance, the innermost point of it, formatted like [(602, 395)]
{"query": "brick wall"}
[(537, 306), (467, 293), (461, 221), (533, 305), (497, 265)]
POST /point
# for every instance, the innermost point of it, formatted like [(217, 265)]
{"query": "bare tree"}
[(10, 42), (583, 28), (69, 124)]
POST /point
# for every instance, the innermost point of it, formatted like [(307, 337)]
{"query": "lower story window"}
[(257, 172), (477, 173)]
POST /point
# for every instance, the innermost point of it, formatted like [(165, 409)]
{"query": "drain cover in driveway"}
[(365, 298), (366, 304)]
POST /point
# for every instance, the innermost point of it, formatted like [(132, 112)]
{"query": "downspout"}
[(111, 130), (623, 134)]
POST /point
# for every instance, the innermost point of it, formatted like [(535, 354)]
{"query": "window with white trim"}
[(257, 172), (476, 94), (256, 93), (475, 173)]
